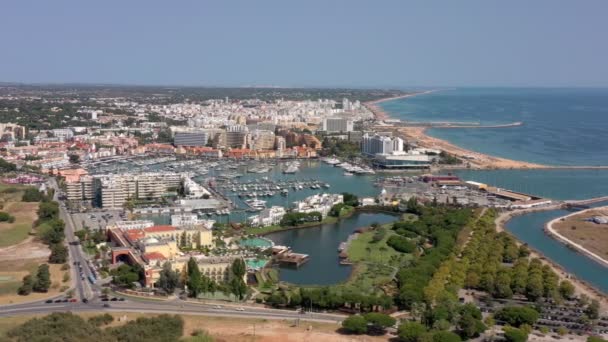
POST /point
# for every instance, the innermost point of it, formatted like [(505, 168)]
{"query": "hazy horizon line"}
[(270, 86)]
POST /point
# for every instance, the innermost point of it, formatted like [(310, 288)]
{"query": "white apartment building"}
[(63, 134), (83, 190), (379, 144), (117, 189), (337, 125), (318, 202), (193, 189), (135, 224), (267, 217), (261, 140), (190, 220)]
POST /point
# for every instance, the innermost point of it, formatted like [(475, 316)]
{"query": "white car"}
[(240, 309), (217, 307)]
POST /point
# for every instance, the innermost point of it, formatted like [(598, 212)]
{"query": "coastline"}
[(379, 113), (550, 230), (418, 134), (581, 286), (472, 159)]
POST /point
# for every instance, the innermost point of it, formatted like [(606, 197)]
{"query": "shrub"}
[(6, 217), (517, 315), (401, 244), (411, 331), (515, 335), (355, 324)]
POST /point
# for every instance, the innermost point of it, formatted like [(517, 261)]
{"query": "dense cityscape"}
[(295, 171), (179, 202)]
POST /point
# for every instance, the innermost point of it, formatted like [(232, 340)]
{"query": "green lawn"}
[(409, 217), (25, 215), (363, 249), (375, 262)]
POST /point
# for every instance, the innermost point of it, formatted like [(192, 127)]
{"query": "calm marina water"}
[(561, 127), (529, 228), (322, 243)]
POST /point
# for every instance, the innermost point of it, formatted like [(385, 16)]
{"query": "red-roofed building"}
[(153, 256), (160, 229), (160, 148)]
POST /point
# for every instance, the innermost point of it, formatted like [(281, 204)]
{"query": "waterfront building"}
[(310, 141), (267, 217), (402, 161), (190, 220), (337, 124), (261, 140), (321, 203), (134, 224), (193, 189), (193, 138), (381, 144), (280, 143), (236, 139), (117, 189)]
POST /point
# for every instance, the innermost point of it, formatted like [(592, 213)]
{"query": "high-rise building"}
[(117, 189), (379, 144), (194, 138), (261, 140), (337, 125), (236, 139)]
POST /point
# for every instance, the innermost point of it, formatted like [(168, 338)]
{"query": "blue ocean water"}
[(561, 126)]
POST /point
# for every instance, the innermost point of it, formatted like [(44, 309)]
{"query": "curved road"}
[(94, 304)]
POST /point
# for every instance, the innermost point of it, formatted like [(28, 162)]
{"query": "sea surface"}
[(561, 126)]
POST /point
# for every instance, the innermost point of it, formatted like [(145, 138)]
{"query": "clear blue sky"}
[(307, 43)]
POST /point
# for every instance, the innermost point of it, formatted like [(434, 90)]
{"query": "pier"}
[(284, 256)]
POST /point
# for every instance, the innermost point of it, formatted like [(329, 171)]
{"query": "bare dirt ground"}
[(592, 236), (226, 329), (25, 214), (27, 249), (12, 273)]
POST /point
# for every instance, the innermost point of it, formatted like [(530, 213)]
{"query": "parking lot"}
[(98, 219)]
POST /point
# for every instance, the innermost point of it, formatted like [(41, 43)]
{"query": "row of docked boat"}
[(292, 167), (349, 169)]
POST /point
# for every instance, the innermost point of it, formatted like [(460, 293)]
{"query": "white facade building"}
[(190, 220), (380, 144), (267, 217), (337, 125), (318, 202)]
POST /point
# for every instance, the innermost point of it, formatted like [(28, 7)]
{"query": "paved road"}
[(76, 253), (94, 304), (173, 307)]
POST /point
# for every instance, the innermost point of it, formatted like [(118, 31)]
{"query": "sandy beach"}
[(472, 159), (418, 135), (379, 113)]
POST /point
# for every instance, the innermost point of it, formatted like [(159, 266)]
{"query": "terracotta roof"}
[(157, 229), (154, 256)]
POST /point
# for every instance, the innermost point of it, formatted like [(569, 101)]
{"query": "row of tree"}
[(51, 232), (438, 225), (72, 328)]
